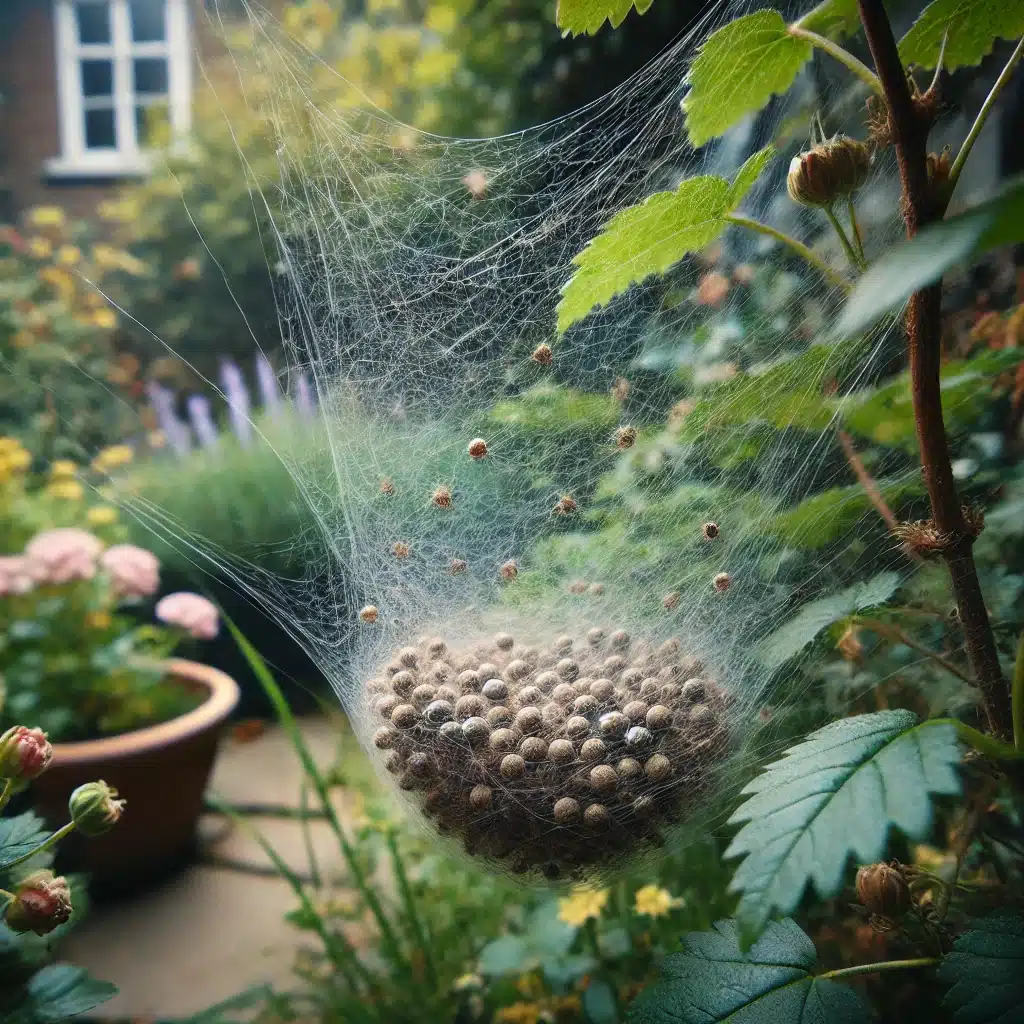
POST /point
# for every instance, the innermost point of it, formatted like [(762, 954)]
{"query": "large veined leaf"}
[(986, 972), (57, 992), (713, 979), (972, 27), (911, 265), (579, 16), (649, 238), (833, 796), (794, 635), (738, 70)]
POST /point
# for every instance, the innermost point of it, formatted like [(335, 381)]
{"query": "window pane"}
[(93, 22), (97, 78), (148, 20), (99, 129), (150, 75)]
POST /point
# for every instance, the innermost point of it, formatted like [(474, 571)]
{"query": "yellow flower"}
[(114, 457), (8, 445), (654, 901), (66, 490), (124, 209), (69, 255), (40, 248), (101, 515), (60, 281), (442, 19), (103, 318), (518, 1013), (63, 468), (46, 217), (18, 460), (98, 620), (581, 905)]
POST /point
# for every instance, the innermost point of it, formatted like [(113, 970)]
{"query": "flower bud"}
[(883, 890), (829, 171), (41, 903), (24, 753), (94, 808)]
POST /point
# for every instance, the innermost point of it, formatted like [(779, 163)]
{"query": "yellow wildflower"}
[(124, 209), (46, 217), (101, 515), (69, 255), (581, 905), (66, 490), (60, 281), (518, 1013), (63, 468), (18, 460), (8, 445), (40, 248), (98, 620), (654, 901), (442, 19), (114, 457), (103, 318)]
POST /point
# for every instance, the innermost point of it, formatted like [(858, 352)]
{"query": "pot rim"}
[(222, 696)]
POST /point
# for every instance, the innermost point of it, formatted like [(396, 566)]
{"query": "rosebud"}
[(883, 890), (828, 172), (24, 753), (41, 903), (94, 808)]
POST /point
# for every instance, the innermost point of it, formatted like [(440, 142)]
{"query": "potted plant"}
[(77, 659)]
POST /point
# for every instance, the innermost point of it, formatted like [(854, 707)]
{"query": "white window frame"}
[(128, 158)]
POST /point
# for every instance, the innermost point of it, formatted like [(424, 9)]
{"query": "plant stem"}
[(920, 207), (885, 965), (861, 70), (855, 232), (409, 900), (5, 895), (979, 121), (45, 845), (867, 481), (804, 252), (6, 793), (851, 253), (899, 636)]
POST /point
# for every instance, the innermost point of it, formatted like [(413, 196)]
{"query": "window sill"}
[(107, 166)]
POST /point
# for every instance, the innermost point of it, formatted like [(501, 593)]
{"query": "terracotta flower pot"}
[(162, 772)]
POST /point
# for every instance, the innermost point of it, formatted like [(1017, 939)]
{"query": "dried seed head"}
[(543, 355), (477, 448), (442, 497), (830, 171), (671, 600), (400, 549), (710, 531), (368, 613), (386, 486), (509, 570), (625, 437), (457, 566), (721, 582), (883, 890), (565, 506)]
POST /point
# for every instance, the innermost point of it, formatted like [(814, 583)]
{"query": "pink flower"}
[(24, 753), (197, 616), (712, 289), (15, 575), (134, 572), (62, 555)]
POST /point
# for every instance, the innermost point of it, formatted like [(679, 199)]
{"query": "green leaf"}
[(833, 19), (715, 980), (19, 836), (792, 637), (834, 795), (508, 954), (738, 70), (649, 238), (890, 281), (599, 1003), (60, 991), (587, 16), (986, 972), (973, 27)]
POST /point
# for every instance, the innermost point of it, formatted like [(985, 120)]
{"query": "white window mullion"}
[(69, 82), (124, 100), (179, 67)]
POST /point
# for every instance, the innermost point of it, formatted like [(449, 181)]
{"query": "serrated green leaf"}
[(986, 972), (793, 636), (771, 983), (890, 281), (19, 836), (972, 27), (833, 796), (746, 177), (834, 19), (60, 991), (587, 16), (738, 70)]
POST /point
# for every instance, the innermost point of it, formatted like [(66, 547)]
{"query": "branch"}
[(885, 965), (861, 70), (899, 636), (920, 206)]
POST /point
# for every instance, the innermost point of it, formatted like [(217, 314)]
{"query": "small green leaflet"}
[(649, 238), (793, 636), (738, 70), (833, 796), (19, 836), (986, 972), (922, 260), (973, 26), (714, 980), (587, 16)]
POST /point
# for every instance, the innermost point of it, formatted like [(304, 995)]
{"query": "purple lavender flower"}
[(201, 420), (237, 396), (178, 435), (304, 402), (269, 392)]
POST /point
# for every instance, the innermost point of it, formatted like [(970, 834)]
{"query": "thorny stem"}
[(803, 251), (851, 253), (45, 845), (979, 121), (861, 70), (901, 637), (884, 965), (920, 207)]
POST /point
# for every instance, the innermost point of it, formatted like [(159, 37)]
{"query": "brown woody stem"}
[(921, 206)]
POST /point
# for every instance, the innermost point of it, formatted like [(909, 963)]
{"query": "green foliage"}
[(836, 794), (587, 16), (738, 70), (19, 835), (792, 637), (970, 28), (55, 993), (649, 238), (714, 979), (832, 19), (985, 971)]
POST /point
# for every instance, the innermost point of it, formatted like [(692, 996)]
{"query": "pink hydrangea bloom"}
[(62, 555), (197, 616), (15, 575), (133, 571)]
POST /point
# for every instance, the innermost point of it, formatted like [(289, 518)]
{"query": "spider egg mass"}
[(547, 757), (477, 448)]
